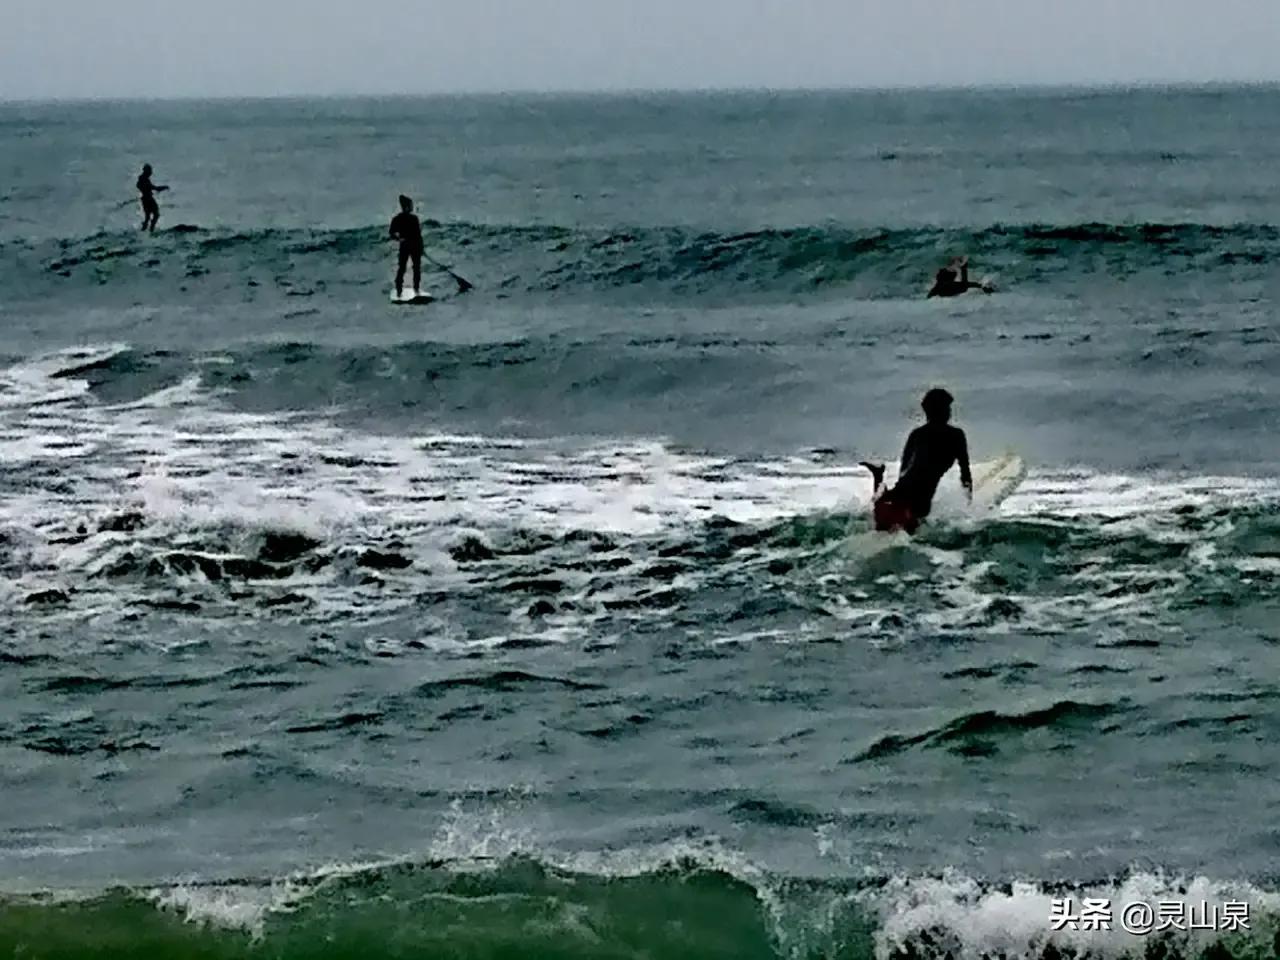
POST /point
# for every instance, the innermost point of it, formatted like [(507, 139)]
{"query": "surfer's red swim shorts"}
[(891, 516)]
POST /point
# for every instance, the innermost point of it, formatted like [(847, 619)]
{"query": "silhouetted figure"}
[(931, 450), (150, 209), (953, 280), (406, 228)]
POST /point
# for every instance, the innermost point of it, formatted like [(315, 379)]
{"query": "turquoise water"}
[(535, 622)]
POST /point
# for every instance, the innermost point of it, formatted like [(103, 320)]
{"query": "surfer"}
[(150, 209), (406, 228), (931, 450), (953, 280)]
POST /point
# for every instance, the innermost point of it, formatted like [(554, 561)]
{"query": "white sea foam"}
[(233, 906), (976, 922), (190, 465)]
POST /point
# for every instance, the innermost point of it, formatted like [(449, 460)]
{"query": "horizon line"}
[(1029, 87)]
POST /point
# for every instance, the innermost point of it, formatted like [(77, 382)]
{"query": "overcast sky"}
[(88, 48)]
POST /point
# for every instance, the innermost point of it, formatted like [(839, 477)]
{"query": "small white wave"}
[(231, 906), (188, 391), (976, 922), (36, 381)]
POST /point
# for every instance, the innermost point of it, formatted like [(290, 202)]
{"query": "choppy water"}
[(535, 623)]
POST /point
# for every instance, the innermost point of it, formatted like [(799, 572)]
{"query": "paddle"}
[(128, 203), (463, 283)]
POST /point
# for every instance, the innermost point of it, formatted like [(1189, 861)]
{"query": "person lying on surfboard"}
[(931, 450), (953, 280), (406, 228), (150, 209)]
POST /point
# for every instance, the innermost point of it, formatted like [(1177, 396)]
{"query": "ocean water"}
[(539, 622)]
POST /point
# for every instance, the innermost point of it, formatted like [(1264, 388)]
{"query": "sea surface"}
[(542, 621)]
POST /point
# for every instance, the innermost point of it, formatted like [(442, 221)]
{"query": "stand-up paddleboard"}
[(411, 297)]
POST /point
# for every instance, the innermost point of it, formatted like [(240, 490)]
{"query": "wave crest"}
[(860, 262)]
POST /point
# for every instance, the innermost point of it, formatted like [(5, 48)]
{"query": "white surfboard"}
[(412, 297), (994, 481)]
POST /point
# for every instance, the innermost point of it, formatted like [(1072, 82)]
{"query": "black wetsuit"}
[(931, 451), (150, 209), (951, 282), (406, 228)]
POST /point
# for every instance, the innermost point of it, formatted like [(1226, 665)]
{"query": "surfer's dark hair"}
[(936, 399), (405, 202)]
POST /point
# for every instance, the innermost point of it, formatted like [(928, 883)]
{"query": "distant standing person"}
[(150, 209), (406, 228)]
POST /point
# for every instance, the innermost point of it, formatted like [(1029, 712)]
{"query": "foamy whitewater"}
[(543, 621)]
